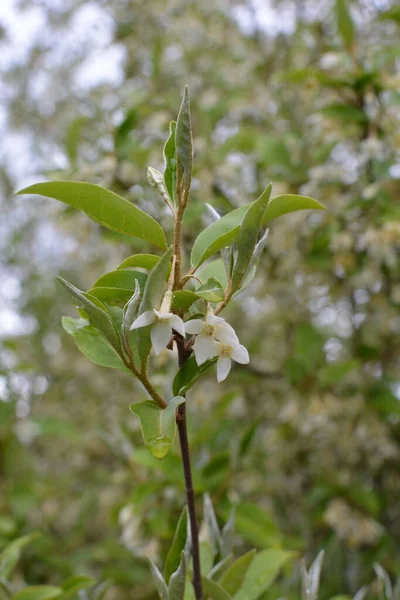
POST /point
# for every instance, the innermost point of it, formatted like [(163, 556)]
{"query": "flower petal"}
[(194, 326), (160, 334), (223, 368), (177, 324), (204, 348), (240, 354), (146, 318), (226, 334), (214, 320)]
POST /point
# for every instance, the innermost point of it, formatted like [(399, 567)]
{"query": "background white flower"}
[(163, 324)]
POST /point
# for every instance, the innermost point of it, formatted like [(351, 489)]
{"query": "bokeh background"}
[(306, 439)]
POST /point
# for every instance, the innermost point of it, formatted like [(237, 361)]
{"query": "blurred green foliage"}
[(305, 441)]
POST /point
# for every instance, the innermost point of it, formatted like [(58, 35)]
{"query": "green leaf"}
[(122, 141), (345, 112), (212, 524), (157, 424), (178, 544), (128, 316), (177, 583), (207, 556), (211, 290), (233, 577), (38, 592), (255, 524), (92, 344), (123, 279), (248, 236), (104, 207), (216, 236), (287, 203), (262, 571), (111, 295), (144, 261), (223, 232), (154, 288), (184, 150), (10, 556), (182, 300), (214, 590), (72, 585), (214, 269), (170, 161), (219, 569), (152, 297), (345, 22), (189, 373), (159, 582), (96, 312)]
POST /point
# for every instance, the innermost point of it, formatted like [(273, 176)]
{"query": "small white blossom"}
[(226, 353), (207, 331), (162, 325)]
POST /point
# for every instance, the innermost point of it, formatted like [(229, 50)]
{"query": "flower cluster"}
[(214, 337)]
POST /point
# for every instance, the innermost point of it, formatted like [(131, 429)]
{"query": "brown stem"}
[(184, 353)]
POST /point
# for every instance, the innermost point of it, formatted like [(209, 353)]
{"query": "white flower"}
[(163, 324), (207, 331), (226, 353)]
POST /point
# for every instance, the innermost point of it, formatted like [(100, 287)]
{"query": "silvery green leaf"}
[(178, 544), (170, 161), (228, 534), (159, 582), (177, 583), (184, 150), (247, 236), (211, 521), (310, 579), (362, 592), (257, 251), (97, 313), (219, 569), (129, 314), (385, 580), (212, 212)]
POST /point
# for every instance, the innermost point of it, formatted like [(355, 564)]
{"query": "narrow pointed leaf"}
[(154, 288), (113, 296), (233, 577), (129, 314), (263, 570), (152, 297), (214, 590), (159, 582), (248, 236), (178, 545), (211, 520), (144, 261), (184, 150), (310, 579), (219, 569), (96, 312), (104, 207), (228, 534), (177, 583), (170, 161), (158, 425), (222, 233), (92, 344)]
